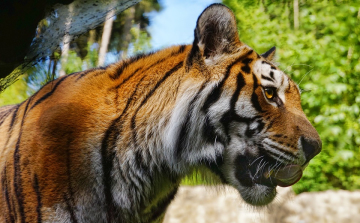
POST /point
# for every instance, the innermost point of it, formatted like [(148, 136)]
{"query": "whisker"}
[(297, 65), (260, 167), (304, 77), (257, 168), (256, 159)]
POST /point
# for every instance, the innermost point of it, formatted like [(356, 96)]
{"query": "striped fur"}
[(112, 144)]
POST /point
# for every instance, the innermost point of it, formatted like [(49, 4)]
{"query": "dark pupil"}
[(269, 92)]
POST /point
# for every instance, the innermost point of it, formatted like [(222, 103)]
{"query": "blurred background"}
[(318, 46)]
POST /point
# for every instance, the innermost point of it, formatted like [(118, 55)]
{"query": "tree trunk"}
[(66, 42), (126, 38), (296, 14), (105, 39), (64, 55)]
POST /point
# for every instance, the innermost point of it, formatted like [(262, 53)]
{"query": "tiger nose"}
[(311, 147)]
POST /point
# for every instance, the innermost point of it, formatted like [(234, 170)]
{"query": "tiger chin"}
[(112, 144)]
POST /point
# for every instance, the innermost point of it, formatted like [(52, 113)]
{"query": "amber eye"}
[(269, 93)]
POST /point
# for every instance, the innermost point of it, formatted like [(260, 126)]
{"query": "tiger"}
[(112, 144)]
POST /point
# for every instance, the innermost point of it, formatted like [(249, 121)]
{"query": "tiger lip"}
[(285, 176), (261, 172)]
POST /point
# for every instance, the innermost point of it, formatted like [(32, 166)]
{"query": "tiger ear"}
[(215, 32), (270, 54)]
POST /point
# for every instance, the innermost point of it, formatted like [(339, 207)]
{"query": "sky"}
[(175, 24)]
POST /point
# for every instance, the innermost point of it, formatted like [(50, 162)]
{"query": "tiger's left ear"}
[(270, 54), (215, 34)]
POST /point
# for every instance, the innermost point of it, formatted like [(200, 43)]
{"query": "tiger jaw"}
[(253, 187), (255, 175)]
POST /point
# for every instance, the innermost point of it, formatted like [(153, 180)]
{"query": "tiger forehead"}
[(269, 75)]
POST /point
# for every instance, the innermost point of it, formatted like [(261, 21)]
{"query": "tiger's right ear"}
[(215, 33), (270, 54)]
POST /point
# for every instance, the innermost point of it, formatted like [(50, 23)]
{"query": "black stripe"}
[(2, 121), (214, 165), (13, 119), (83, 73), (7, 197), (216, 92), (126, 79), (38, 196), (272, 122), (141, 165), (130, 99), (281, 150), (4, 111), (107, 157), (251, 132), (128, 62), (116, 88), (162, 205), (177, 89), (181, 49), (107, 165), (132, 120), (167, 74), (246, 68), (183, 136), (134, 180), (5, 115), (121, 69), (246, 120), (247, 60), (231, 114), (194, 53), (25, 110), (254, 97), (272, 66), (277, 155), (70, 195), (17, 180), (260, 127), (282, 81), (267, 78), (49, 93), (243, 174), (272, 74), (209, 132), (70, 208), (17, 169), (209, 129)]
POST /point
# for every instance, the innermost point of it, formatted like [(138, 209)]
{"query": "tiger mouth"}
[(266, 171)]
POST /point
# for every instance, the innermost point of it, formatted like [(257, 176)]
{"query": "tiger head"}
[(254, 133)]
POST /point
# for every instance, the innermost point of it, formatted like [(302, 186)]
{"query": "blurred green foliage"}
[(15, 93), (323, 57)]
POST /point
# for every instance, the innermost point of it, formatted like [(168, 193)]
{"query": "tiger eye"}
[(269, 93)]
